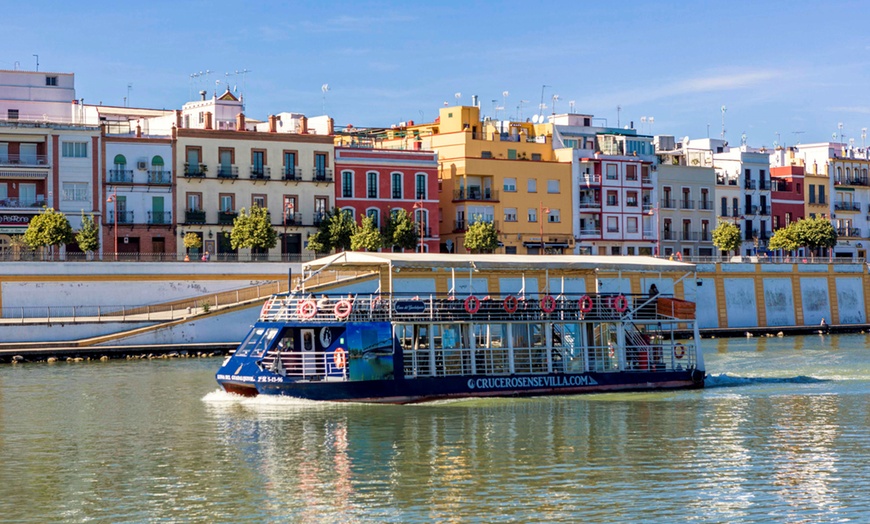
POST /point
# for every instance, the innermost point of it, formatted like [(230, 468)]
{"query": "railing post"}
[(237, 296), (148, 312), (48, 309), (123, 312), (216, 302)]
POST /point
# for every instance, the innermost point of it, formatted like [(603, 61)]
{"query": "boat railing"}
[(306, 365), (448, 308)]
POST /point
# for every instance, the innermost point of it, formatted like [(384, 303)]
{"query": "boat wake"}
[(727, 381), (220, 398)]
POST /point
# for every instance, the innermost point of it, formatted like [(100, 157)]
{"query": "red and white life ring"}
[(620, 304), (306, 309), (339, 358), (679, 351), (342, 309), (511, 304), (678, 256), (548, 304), (472, 304), (585, 304)]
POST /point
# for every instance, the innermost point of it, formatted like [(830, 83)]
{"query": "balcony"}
[(318, 218), (763, 210), (462, 225), (689, 236), (588, 179), (750, 210), (124, 217), (647, 207), (764, 185), (18, 160), (292, 219), (848, 232), (159, 217), (261, 173), (847, 206), (226, 218), (667, 203), (227, 171), (291, 173), (586, 203), (194, 216), (159, 177), (486, 194), (705, 205), (648, 234), (322, 174), (687, 204), (195, 170), (590, 233), (669, 235), (120, 176), (749, 184), (705, 236), (850, 181)]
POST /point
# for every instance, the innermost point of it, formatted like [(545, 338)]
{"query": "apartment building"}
[(378, 182), (788, 188)]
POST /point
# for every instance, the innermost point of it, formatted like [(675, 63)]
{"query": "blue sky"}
[(794, 68)]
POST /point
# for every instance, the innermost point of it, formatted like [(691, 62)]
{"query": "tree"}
[(401, 231), (48, 229), (88, 237), (785, 238), (726, 237), (815, 233), (192, 241), (367, 237), (336, 230), (253, 230), (481, 237)]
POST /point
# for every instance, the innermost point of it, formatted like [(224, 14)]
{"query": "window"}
[(724, 212), (321, 204), (486, 154), (631, 172), (421, 186), (226, 203), (76, 191), (512, 154), (821, 194), (552, 186), (194, 201), (644, 174), (631, 199), (397, 184), (347, 184), (735, 207), (201, 117), (75, 150), (289, 164), (290, 209), (510, 214), (510, 185), (613, 224), (536, 157), (375, 215), (533, 214), (320, 165), (631, 225), (51, 80), (554, 216), (157, 164), (372, 184), (258, 162), (12, 114), (612, 172), (787, 219), (533, 185), (612, 198)]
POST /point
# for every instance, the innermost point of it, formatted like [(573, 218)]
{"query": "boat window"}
[(421, 336), (405, 336), (288, 340), (264, 342), (250, 343), (520, 335), (450, 336), (538, 338)]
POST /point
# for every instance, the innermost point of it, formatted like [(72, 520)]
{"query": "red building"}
[(376, 182), (786, 195)]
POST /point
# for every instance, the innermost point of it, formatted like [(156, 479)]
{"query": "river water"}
[(782, 434)]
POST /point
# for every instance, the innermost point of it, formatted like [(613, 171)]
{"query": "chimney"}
[(330, 127), (202, 95), (208, 120), (174, 133), (138, 131), (273, 124), (177, 118), (240, 122), (303, 125)]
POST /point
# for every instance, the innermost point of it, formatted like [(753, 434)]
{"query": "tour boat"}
[(401, 328)]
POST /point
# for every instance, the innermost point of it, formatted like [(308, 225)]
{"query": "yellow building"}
[(495, 171)]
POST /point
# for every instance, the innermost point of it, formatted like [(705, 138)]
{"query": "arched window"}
[(157, 163), (120, 160), (117, 173), (350, 211), (347, 184), (375, 215)]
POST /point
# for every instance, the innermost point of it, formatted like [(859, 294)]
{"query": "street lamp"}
[(419, 206), (657, 234), (113, 199), (543, 210)]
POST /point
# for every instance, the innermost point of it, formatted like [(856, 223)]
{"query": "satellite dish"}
[(504, 94), (834, 136), (685, 141), (457, 96), (534, 119), (775, 144)]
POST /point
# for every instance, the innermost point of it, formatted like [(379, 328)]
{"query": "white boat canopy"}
[(500, 262)]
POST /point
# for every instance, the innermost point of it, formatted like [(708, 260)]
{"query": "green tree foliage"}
[(726, 237), (401, 231), (815, 233), (367, 236), (88, 237), (48, 229), (253, 230), (481, 237), (192, 241), (336, 230), (785, 238)]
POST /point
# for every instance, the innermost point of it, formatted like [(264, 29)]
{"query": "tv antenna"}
[(541, 106), (555, 99), (127, 98), (863, 136), (324, 88), (723, 121), (618, 111), (520, 110), (457, 95), (571, 104), (37, 62), (798, 137)]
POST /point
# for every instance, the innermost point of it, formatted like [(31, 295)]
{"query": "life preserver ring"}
[(342, 309), (585, 304), (678, 256), (472, 304), (548, 304), (511, 304), (620, 304), (679, 351), (306, 309), (339, 358)]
